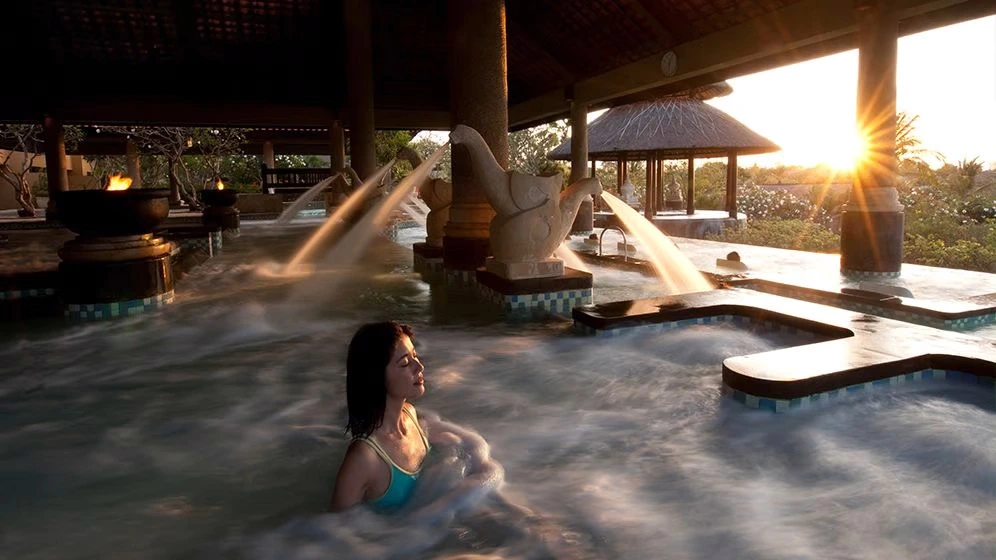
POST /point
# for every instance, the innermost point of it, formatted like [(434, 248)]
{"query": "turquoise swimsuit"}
[(402, 484)]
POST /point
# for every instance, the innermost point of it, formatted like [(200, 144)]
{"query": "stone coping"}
[(862, 348), (571, 280), (943, 314), (895, 307)]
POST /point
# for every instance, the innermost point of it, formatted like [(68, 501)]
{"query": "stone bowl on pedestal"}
[(116, 266), (220, 210), (103, 213)]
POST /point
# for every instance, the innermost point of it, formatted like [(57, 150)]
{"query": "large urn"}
[(219, 207), (115, 266)]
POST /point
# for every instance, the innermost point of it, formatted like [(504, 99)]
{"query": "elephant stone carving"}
[(533, 216)]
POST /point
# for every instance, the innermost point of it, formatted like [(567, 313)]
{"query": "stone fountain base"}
[(428, 261), (550, 267), (105, 277), (558, 295)]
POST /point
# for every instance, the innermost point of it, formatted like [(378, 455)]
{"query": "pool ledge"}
[(855, 349)]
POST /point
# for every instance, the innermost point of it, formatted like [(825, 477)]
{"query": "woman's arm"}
[(353, 480)]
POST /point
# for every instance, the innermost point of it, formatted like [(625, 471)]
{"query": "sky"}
[(947, 76)]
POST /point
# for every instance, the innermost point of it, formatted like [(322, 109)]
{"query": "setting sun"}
[(843, 151)]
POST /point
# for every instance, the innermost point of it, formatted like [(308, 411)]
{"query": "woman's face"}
[(404, 371)]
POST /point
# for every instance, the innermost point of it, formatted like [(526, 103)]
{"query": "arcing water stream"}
[(674, 269)]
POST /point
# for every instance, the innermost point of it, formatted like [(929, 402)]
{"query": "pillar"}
[(648, 194), (133, 164), (731, 184), (871, 237), (55, 163), (337, 162), (268, 157), (479, 99), (584, 219), (360, 87), (690, 199)]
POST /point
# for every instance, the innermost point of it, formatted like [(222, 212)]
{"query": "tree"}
[(969, 169), (28, 144), (171, 143), (528, 149)]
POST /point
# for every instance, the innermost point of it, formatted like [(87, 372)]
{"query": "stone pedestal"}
[(557, 295), (547, 268), (584, 220), (105, 277), (871, 243), (428, 261), (224, 217)]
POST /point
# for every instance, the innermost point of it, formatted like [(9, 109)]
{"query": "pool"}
[(214, 428)]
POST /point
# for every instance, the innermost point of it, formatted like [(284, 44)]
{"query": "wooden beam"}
[(800, 31), (664, 37)]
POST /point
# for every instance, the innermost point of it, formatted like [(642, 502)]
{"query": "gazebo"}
[(678, 126)]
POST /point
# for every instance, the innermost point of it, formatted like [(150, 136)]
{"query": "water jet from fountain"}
[(359, 236), (338, 218), (291, 211), (674, 269), (570, 258)]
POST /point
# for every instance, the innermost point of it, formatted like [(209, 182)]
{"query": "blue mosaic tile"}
[(781, 405), (98, 311)]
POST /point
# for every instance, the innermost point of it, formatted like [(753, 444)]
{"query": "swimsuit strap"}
[(425, 440), (379, 451)]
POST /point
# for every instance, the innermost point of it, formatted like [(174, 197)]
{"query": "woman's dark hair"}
[(370, 352)]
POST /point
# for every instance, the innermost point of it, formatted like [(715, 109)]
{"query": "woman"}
[(382, 464)]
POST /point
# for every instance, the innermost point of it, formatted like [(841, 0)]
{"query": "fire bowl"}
[(102, 213), (216, 197)]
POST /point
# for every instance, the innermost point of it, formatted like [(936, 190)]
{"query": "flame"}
[(219, 185), (118, 182)]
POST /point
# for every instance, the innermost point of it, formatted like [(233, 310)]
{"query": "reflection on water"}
[(213, 430)]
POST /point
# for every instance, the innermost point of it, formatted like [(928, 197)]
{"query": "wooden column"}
[(585, 218), (648, 194), (872, 224), (690, 199), (55, 163), (133, 164), (731, 184), (360, 87), (478, 99), (268, 155)]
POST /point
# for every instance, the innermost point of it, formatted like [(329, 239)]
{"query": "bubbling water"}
[(215, 428)]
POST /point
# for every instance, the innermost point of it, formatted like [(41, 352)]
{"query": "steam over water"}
[(214, 430)]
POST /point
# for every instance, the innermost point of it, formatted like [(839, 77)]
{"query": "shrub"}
[(795, 234)]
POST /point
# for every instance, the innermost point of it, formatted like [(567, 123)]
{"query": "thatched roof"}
[(676, 127)]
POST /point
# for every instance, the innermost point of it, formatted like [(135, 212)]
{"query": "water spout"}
[(291, 211), (338, 218), (570, 258), (359, 236), (674, 269)]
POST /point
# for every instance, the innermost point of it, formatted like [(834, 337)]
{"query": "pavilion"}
[(680, 126), (495, 65)]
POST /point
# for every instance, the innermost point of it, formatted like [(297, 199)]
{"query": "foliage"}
[(795, 234), (27, 139), (528, 149), (761, 204), (289, 161)]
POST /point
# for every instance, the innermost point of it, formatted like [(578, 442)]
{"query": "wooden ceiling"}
[(282, 62)]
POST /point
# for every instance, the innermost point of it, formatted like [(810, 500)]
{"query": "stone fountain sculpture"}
[(533, 216), (438, 196)]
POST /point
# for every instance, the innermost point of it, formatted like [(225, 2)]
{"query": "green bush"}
[(795, 234), (962, 254)]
